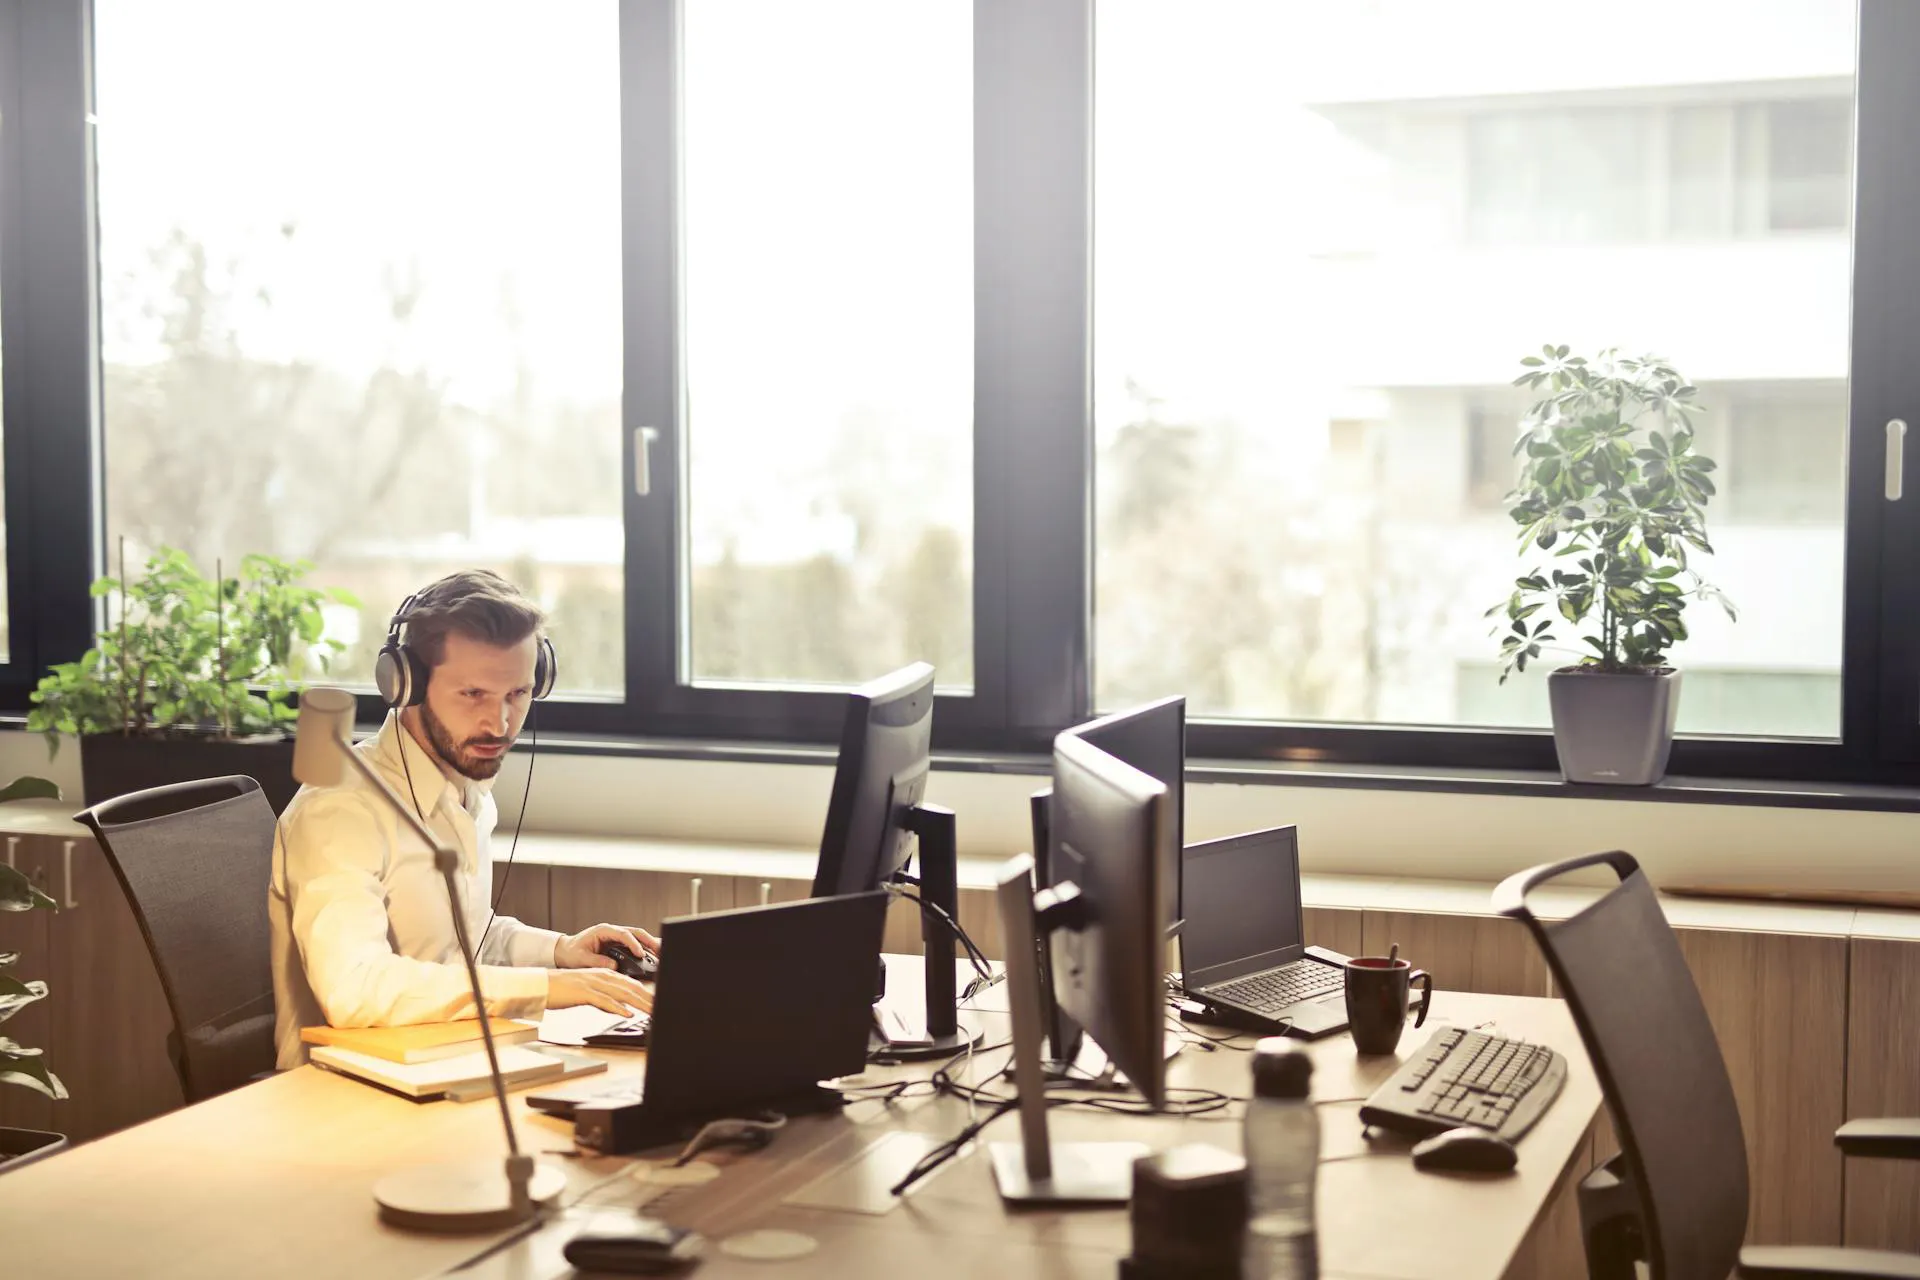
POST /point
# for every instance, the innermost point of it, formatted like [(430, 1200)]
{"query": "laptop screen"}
[(1242, 902)]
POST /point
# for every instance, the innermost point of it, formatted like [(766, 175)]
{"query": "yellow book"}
[(424, 1042)]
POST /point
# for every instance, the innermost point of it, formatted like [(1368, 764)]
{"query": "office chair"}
[(1676, 1195), (194, 859)]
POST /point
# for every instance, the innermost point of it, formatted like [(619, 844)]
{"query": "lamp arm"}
[(447, 861)]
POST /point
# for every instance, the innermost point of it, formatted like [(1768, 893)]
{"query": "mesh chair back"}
[(194, 859), (1619, 967)]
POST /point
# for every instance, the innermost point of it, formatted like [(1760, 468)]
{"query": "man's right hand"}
[(601, 988)]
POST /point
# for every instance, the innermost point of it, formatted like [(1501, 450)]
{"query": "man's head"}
[(479, 639)]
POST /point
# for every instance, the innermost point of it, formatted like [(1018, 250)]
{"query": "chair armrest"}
[(1826, 1263), (1892, 1139)]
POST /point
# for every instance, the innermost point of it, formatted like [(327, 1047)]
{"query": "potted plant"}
[(20, 1065), (1612, 490), (194, 678)]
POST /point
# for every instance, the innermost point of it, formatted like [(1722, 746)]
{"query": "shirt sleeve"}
[(511, 942), (335, 851)]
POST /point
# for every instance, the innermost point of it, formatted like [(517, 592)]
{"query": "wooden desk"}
[(275, 1179)]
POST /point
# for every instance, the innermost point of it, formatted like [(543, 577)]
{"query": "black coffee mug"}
[(1377, 990)]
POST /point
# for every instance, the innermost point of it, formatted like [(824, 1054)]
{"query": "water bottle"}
[(1282, 1142)]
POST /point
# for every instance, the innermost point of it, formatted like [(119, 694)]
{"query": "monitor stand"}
[(1037, 1170), (939, 857)]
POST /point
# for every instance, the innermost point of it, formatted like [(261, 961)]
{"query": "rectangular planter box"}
[(1614, 728), (113, 764)]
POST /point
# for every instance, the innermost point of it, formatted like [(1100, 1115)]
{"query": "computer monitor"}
[(877, 817), (881, 774), (1153, 739), (1105, 919)]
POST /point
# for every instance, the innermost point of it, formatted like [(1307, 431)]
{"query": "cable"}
[(973, 953), (533, 754)]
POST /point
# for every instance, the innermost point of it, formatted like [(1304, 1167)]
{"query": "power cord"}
[(974, 953)]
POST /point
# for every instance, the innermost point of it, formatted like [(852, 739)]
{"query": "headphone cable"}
[(533, 754)]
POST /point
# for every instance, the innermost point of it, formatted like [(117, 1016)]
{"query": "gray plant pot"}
[(19, 1147), (1614, 728)]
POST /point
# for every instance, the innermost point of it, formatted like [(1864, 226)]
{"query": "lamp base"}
[(461, 1196)]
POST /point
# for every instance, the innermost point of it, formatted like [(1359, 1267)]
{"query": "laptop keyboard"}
[(1276, 989)]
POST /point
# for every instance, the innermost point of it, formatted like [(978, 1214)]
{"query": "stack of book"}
[(439, 1059)]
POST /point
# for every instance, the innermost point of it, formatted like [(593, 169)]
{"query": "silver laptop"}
[(1243, 946)]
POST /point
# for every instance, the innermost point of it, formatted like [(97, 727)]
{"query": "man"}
[(362, 929)]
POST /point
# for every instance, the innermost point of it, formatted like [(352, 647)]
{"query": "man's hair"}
[(477, 603)]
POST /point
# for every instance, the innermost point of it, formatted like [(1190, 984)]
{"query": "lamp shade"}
[(322, 733)]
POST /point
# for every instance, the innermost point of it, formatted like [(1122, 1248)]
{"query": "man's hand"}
[(582, 950), (601, 988)]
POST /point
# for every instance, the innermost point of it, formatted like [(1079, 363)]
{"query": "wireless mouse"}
[(641, 968), (1466, 1150), (649, 1247)]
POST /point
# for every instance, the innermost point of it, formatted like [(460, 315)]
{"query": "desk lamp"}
[(462, 1195)]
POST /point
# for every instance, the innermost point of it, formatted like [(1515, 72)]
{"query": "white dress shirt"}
[(362, 930)]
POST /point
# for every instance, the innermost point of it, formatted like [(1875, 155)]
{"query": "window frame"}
[(1034, 226)]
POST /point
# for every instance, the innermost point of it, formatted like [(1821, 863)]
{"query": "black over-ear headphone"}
[(401, 676)]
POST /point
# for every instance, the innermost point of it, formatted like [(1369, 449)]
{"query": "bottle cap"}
[(1280, 1071)]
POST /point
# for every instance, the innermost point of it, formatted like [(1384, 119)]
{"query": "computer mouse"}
[(641, 968), (1466, 1150), (649, 1247)]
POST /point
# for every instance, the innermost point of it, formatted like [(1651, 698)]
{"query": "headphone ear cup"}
[(546, 669), (391, 673), (417, 677)]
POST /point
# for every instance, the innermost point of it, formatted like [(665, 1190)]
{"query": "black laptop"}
[(1243, 951), (752, 1008)]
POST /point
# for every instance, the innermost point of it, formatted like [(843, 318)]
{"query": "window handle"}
[(1896, 457), (643, 438)]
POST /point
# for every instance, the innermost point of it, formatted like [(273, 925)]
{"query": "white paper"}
[(573, 1026)]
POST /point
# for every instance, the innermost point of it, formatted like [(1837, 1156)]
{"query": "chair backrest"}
[(194, 859), (1619, 967)]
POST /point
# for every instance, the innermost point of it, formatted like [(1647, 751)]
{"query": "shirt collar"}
[(413, 766)]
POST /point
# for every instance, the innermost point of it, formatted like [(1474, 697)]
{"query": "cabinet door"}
[(589, 895), (111, 1020), (26, 933), (755, 891), (522, 894)]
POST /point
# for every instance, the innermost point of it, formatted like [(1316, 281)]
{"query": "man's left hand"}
[(582, 950)]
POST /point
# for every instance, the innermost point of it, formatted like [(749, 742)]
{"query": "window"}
[(1236, 559), (775, 345), (377, 280), (828, 339)]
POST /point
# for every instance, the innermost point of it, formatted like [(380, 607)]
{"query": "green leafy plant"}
[(19, 1064), (187, 652), (1610, 484)]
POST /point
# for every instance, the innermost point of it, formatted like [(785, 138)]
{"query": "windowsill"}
[(1537, 784), (1424, 896)]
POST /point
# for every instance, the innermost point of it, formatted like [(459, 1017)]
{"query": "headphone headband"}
[(401, 676)]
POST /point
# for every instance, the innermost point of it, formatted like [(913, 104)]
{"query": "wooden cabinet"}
[(1883, 1046), (589, 895), (104, 1023), (1778, 1006), (110, 1017), (524, 894), (26, 932)]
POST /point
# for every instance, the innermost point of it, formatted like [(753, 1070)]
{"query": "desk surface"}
[(275, 1179)]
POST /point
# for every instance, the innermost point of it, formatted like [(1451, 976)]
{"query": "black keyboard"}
[(1277, 989), (1469, 1078), (628, 1033)]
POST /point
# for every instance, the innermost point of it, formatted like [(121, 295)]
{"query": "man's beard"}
[(479, 768)]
